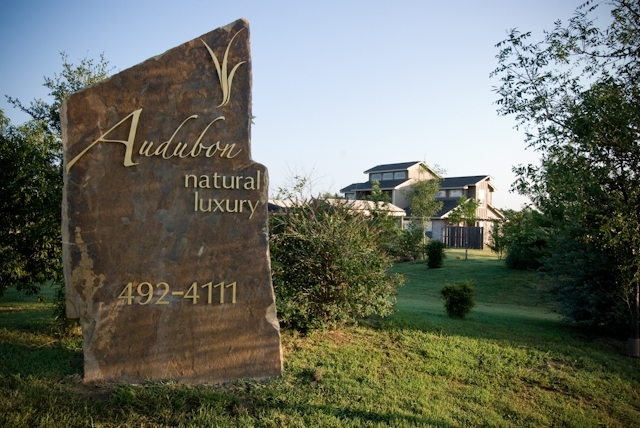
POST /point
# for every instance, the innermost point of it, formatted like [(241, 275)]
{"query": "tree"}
[(31, 179), (464, 211), (381, 220), (422, 194), (497, 242), (380, 198), (576, 95), (72, 79), (526, 238)]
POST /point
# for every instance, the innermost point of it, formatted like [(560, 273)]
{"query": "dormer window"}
[(384, 176), (455, 193)]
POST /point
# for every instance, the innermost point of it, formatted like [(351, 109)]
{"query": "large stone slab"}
[(165, 241)]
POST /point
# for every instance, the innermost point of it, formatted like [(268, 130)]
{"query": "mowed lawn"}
[(511, 363)]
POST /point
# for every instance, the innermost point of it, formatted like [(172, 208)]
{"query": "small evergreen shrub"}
[(435, 253), (459, 298)]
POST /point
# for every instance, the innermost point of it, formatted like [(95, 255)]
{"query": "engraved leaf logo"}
[(225, 79)]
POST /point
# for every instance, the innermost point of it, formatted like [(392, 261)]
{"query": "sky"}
[(338, 86)]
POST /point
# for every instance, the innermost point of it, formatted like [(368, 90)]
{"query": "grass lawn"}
[(511, 363)]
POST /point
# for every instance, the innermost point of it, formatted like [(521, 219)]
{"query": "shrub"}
[(409, 245), (327, 267), (458, 298), (435, 253)]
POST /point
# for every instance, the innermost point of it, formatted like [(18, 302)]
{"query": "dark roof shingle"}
[(391, 167), (459, 182), (368, 185)]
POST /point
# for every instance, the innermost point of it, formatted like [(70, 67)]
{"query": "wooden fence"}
[(470, 237)]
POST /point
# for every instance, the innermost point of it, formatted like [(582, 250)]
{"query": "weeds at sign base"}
[(459, 298)]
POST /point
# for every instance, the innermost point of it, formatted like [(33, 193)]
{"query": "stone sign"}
[(165, 242)]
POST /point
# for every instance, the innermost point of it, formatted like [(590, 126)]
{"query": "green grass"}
[(510, 363)]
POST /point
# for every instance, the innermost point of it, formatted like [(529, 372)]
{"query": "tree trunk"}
[(634, 337)]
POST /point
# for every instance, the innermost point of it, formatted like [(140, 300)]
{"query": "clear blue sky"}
[(338, 86)]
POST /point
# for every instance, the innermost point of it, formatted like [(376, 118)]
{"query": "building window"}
[(455, 193), (399, 175), (387, 176), (376, 177), (481, 197), (441, 194)]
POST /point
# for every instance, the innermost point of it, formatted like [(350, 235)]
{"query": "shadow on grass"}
[(512, 307), (50, 361), (26, 319), (519, 326), (524, 328), (357, 416), (167, 406)]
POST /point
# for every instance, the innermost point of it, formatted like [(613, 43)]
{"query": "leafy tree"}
[(424, 204), (576, 94), (497, 242), (526, 238), (72, 79), (464, 211), (329, 195), (388, 233), (378, 196), (586, 281), (31, 178)]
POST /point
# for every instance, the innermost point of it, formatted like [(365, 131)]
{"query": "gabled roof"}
[(365, 207), (368, 206), (392, 167), (463, 182), (368, 185), (496, 211), (447, 206)]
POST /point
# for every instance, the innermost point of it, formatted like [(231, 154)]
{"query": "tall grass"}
[(510, 363)]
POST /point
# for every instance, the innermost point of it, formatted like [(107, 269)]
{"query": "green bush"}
[(409, 245), (327, 266), (458, 298), (435, 253)]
